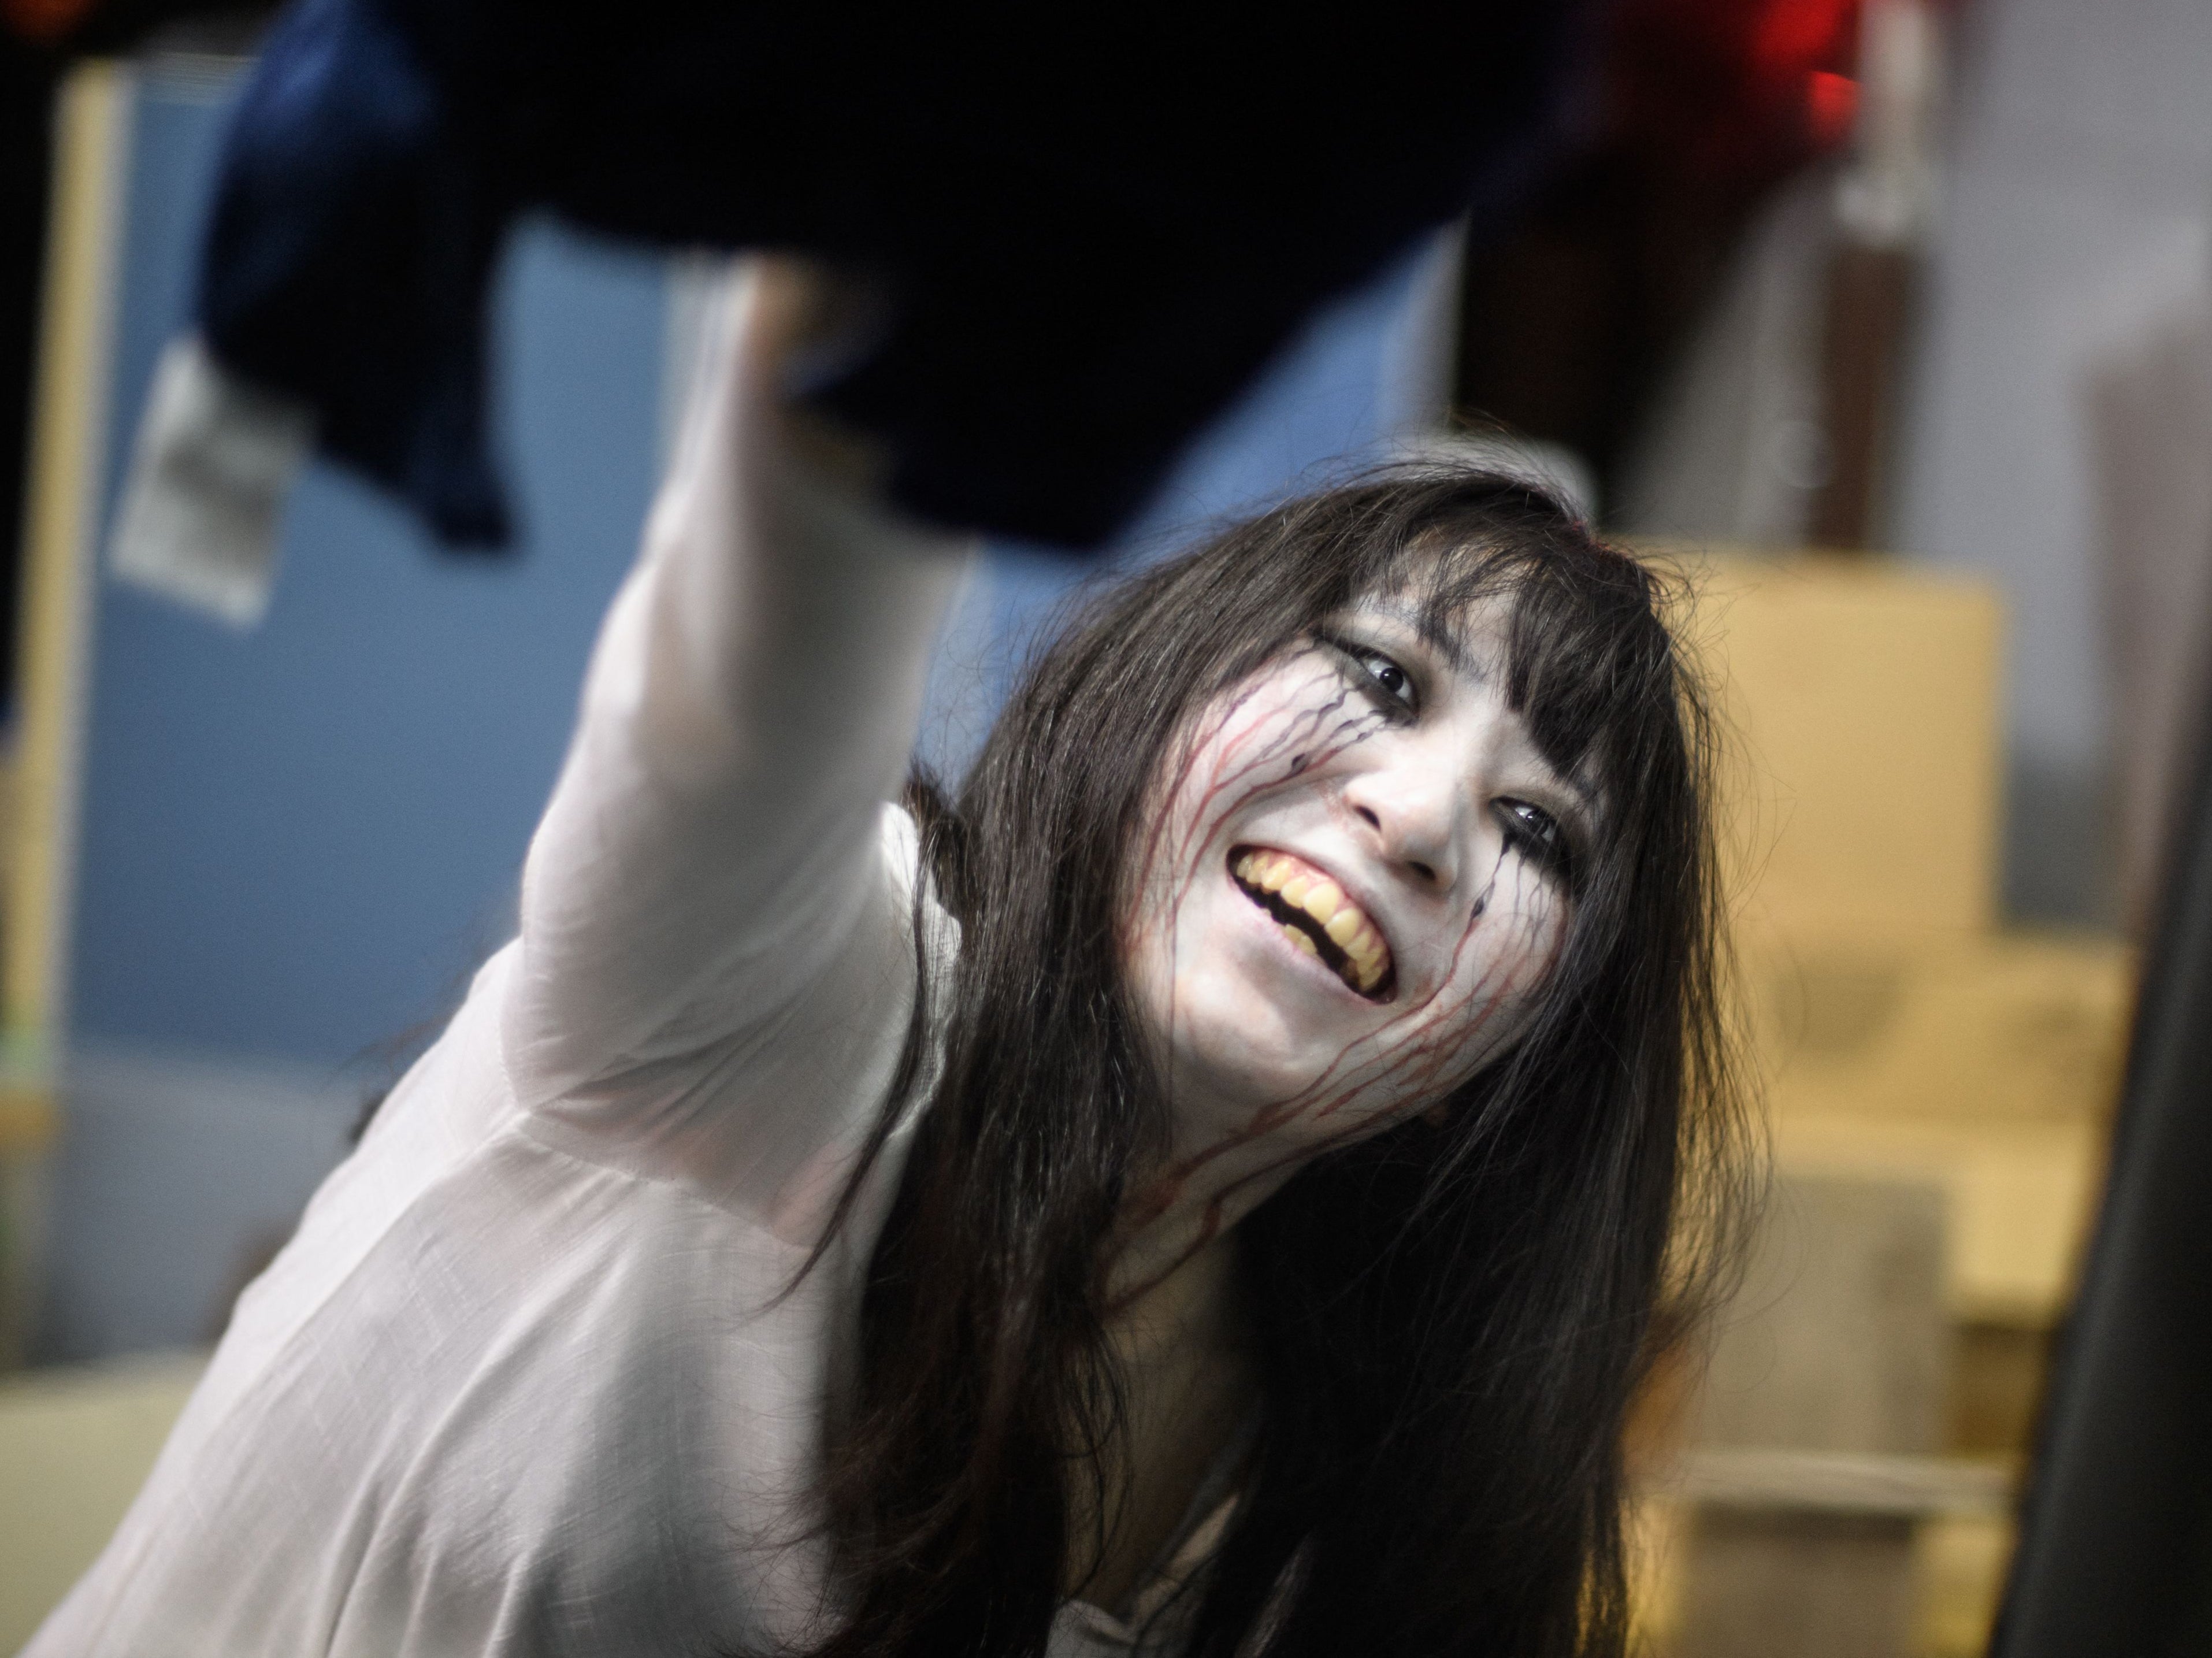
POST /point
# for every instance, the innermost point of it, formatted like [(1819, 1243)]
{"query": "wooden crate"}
[(1862, 776)]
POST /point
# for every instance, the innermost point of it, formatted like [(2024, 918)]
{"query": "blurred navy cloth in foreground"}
[(1088, 230)]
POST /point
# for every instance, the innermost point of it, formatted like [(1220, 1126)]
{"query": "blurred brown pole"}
[(1870, 301)]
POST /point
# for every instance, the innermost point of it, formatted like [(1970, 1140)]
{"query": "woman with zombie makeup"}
[(1211, 1188)]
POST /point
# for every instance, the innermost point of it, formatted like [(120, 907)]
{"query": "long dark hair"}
[(1451, 1314)]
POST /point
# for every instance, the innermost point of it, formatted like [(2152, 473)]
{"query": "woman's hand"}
[(804, 320)]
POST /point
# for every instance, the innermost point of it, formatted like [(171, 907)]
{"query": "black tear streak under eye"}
[(1482, 898)]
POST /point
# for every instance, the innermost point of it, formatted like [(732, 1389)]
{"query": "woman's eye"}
[(1534, 832), (1390, 682), (1380, 676), (1389, 676)]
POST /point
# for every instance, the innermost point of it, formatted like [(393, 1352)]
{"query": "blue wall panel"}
[(296, 840)]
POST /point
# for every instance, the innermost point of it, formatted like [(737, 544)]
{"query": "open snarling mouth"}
[(1317, 917)]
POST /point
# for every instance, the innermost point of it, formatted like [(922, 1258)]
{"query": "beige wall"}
[(75, 1444)]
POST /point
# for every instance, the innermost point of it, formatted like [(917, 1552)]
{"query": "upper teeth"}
[(1303, 887)]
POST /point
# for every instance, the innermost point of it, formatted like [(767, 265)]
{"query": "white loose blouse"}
[(526, 1382)]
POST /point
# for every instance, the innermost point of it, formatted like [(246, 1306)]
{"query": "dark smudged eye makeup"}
[(1381, 674), (1531, 832), (1535, 834)]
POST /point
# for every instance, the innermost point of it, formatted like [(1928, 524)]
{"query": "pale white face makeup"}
[(1356, 882)]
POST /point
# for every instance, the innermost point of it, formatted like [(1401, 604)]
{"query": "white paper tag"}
[(204, 500)]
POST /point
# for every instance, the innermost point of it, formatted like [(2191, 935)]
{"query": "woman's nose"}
[(1413, 812)]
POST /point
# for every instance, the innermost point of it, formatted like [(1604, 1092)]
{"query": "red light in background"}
[(1832, 104), (1792, 35)]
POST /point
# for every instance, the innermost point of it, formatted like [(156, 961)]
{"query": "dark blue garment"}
[(1090, 231)]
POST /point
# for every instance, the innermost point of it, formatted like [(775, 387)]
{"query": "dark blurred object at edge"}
[(2115, 1552), (1704, 108), (1089, 236), (94, 28)]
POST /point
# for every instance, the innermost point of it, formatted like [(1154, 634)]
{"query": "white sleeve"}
[(752, 703)]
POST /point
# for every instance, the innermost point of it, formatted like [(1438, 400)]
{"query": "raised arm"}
[(751, 705)]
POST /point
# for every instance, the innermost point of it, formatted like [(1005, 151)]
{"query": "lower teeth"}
[(1359, 982), (1351, 976)]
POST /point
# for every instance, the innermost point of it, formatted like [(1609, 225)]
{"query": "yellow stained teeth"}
[(1366, 959)]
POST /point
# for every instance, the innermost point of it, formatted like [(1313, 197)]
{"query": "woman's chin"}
[(1250, 1028), (1256, 1052)]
